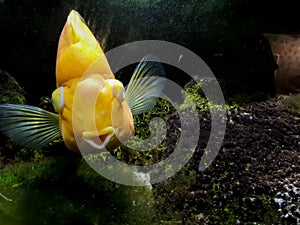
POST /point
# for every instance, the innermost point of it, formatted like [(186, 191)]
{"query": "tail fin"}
[(29, 126)]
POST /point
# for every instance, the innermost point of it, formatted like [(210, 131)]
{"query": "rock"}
[(285, 48)]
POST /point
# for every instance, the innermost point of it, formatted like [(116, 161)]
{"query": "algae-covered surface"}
[(67, 191), (10, 90)]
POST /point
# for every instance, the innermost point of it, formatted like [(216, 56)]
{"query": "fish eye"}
[(120, 92), (117, 89), (58, 100), (123, 92)]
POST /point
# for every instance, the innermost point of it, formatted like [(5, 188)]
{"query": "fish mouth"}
[(103, 138), (98, 141)]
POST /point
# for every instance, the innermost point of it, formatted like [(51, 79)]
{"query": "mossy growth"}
[(248, 210), (215, 203), (290, 103), (196, 98), (233, 101), (67, 191), (172, 196), (132, 155), (10, 90)]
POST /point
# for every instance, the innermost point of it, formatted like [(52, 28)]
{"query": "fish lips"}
[(107, 141)]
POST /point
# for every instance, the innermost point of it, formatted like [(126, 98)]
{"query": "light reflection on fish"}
[(82, 68)]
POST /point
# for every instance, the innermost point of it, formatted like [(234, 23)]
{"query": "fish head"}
[(94, 114), (113, 117), (121, 116)]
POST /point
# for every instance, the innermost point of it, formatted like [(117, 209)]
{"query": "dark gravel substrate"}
[(255, 179)]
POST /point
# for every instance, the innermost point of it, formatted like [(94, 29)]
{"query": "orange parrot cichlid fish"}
[(102, 112)]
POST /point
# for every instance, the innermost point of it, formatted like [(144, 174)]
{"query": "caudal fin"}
[(29, 126)]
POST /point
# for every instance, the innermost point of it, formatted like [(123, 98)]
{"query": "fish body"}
[(93, 107), (77, 50)]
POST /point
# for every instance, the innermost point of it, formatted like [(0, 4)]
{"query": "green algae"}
[(290, 103), (10, 90), (67, 191)]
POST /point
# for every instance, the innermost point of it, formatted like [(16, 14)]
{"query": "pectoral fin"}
[(29, 126), (146, 85)]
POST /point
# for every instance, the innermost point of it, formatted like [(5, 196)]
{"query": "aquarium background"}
[(227, 34), (255, 178)]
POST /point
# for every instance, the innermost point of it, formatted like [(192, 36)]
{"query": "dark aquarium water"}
[(226, 151)]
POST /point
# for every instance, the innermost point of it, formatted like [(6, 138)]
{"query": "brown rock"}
[(286, 50)]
